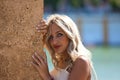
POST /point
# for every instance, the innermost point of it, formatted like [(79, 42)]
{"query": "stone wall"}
[(18, 39)]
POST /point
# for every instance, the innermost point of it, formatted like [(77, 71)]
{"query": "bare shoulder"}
[(81, 61), (82, 64), (81, 69)]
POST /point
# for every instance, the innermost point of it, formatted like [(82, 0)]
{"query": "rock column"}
[(19, 39)]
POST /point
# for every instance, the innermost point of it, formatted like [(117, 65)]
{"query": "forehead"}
[(54, 28)]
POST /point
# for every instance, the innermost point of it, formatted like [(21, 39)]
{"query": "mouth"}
[(56, 46)]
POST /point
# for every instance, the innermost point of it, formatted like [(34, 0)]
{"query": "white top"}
[(61, 74)]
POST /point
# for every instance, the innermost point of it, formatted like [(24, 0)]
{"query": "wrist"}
[(49, 78)]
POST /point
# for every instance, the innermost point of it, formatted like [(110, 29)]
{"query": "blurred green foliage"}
[(95, 2), (52, 3), (115, 5), (77, 3)]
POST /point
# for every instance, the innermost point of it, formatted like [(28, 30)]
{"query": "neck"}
[(63, 60), (62, 56)]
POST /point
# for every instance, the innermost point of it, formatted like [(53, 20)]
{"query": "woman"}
[(72, 61)]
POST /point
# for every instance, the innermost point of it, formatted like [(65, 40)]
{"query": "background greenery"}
[(115, 4)]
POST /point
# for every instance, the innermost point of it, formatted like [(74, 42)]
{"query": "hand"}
[(42, 27), (40, 63)]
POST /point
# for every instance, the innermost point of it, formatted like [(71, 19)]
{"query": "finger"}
[(35, 65), (36, 60), (43, 31), (41, 59), (42, 21), (41, 26), (44, 26)]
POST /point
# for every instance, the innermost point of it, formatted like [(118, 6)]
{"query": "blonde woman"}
[(72, 61)]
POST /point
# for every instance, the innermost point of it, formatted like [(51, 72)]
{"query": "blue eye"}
[(59, 34)]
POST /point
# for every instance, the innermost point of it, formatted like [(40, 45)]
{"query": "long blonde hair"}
[(75, 48)]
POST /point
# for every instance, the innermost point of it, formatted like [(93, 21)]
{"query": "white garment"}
[(61, 74)]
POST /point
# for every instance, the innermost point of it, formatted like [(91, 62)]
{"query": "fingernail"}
[(41, 20), (36, 27), (36, 53), (32, 56), (38, 30)]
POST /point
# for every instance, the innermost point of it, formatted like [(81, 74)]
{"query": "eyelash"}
[(58, 35)]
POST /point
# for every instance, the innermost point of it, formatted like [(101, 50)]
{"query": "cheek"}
[(65, 41)]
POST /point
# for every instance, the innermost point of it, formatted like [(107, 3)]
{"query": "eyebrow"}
[(58, 31)]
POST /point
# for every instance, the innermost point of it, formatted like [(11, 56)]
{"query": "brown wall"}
[(18, 38)]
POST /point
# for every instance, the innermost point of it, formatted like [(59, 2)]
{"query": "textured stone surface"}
[(18, 39)]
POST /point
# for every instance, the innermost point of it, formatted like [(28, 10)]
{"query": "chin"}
[(58, 52)]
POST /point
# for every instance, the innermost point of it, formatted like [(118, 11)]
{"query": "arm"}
[(81, 69)]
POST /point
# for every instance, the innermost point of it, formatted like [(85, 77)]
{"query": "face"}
[(58, 39)]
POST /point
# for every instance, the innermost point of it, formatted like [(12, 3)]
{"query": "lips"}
[(56, 46)]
